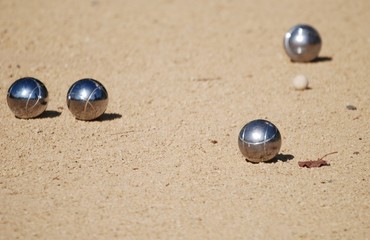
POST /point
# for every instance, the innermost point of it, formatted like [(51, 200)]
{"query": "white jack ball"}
[(300, 82)]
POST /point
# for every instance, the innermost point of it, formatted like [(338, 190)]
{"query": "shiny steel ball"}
[(259, 141), (27, 97), (302, 43), (87, 99)]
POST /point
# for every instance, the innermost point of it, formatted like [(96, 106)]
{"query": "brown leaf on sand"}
[(315, 163)]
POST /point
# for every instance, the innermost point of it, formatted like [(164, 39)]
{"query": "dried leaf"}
[(314, 163)]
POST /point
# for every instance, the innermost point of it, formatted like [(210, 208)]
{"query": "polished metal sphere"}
[(259, 141), (87, 99), (27, 97), (302, 43)]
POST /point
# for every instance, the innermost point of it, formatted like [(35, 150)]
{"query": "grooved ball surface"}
[(259, 141), (302, 43), (87, 99), (27, 98)]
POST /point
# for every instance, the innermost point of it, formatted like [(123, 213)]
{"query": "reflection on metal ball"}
[(87, 99), (27, 98), (302, 43), (259, 141)]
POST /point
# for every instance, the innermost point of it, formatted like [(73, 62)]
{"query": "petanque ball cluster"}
[(87, 99)]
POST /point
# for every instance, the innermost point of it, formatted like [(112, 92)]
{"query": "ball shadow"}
[(316, 60), (108, 117), (281, 157), (50, 114), (322, 59)]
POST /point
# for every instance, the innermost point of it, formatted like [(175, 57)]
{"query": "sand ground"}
[(183, 78)]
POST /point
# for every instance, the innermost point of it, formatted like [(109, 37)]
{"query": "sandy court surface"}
[(183, 77)]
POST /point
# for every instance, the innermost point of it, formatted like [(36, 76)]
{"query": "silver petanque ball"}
[(259, 141), (27, 98), (87, 99), (302, 43)]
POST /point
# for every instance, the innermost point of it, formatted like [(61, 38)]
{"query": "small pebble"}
[(300, 82), (351, 107)]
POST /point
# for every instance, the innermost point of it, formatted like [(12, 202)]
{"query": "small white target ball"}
[(300, 82)]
